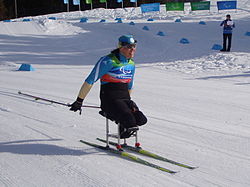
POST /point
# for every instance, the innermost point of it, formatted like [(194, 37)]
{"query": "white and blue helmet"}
[(126, 39)]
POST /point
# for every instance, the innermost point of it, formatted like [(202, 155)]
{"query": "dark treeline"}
[(41, 7)]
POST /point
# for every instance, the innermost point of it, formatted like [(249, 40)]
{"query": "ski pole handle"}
[(90, 106)]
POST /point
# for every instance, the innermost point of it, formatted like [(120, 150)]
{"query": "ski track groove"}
[(39, 132), (15, 180), (6, 180), (73, 171), (211, 148), (228, 180), (64, 168), (200, 128), (235, 154)]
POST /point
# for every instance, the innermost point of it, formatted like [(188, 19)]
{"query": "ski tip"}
[(193, 167), (82, 141), (189, 167), (174, 172)]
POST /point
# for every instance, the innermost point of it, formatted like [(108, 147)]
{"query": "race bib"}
[(230, 23)]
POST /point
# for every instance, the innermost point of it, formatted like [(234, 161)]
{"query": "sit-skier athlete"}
[(116, 73)]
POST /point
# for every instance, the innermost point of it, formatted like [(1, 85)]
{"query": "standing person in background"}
[(116, 73), (228, 26)]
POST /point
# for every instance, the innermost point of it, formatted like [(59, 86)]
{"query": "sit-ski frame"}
[(118, 136)]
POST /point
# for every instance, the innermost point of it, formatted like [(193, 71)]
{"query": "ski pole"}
[(52, 101)]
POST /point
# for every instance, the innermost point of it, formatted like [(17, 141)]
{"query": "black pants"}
[(225, 38), (117, 104)]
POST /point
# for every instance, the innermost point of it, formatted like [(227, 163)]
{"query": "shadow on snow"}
[(27, 148)]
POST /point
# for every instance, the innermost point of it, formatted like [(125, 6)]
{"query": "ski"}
[(149, 154), (129, 156)]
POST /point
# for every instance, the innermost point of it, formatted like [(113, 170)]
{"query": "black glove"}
[(77, 105)]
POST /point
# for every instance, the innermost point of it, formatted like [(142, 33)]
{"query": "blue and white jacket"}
[(228, 26), (110, 69)]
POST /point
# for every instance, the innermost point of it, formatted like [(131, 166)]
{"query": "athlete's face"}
[(128, 51)]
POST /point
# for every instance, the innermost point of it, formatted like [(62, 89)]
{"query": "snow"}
[(196, 99)]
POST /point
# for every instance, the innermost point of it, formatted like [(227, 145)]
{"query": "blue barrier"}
[(83, 20), (145, 28), (216, 47), (26, 19), (53, 18), (26, 67), (150, 19), (118, 19), (160, 33), (178, 21), (184, 41), (247, 33), (202, 23), (7, 21)]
